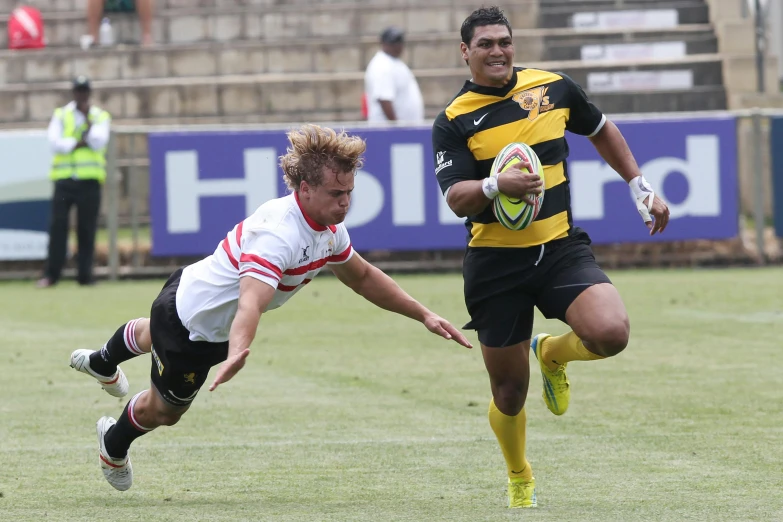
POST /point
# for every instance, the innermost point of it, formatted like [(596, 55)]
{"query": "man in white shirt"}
[(208, 312), (391, 90), (78, 134)]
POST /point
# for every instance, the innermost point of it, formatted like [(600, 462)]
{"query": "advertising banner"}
[(25, 195), (203, 183), (776, 146)]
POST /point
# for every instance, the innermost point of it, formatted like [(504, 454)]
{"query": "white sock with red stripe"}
[(122, 346), (128, 428)]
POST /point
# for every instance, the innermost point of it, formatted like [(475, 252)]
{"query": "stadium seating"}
[(231, 60), (248, 61)]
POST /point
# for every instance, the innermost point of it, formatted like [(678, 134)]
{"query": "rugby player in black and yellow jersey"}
[(550, 264)]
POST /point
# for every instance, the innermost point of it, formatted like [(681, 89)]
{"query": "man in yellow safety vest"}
[(78, 134)]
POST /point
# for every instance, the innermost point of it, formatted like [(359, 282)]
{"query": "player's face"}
[(328, 203), (490, 55)]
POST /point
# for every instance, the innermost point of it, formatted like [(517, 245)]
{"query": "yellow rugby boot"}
[(557, 389), (521, 493)]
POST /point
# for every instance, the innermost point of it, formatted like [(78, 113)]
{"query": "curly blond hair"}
[(314, 147)]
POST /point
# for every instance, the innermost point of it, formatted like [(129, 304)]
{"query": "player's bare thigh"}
[(151, 410), (599, 318), (509, 375)]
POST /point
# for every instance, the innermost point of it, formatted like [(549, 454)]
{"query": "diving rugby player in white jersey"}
[(208, 312)]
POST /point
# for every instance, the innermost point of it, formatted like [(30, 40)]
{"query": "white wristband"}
[(641, 190), (490, 187)]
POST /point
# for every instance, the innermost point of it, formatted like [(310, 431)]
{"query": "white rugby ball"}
[(513, 213)]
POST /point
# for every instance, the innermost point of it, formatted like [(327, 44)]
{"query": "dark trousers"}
[(86, 195)]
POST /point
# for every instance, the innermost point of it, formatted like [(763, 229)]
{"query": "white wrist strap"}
[(641, 191), (490, 187)]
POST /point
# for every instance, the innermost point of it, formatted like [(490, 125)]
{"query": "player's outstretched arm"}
[(381, 290), (610, 143), (254, 297)]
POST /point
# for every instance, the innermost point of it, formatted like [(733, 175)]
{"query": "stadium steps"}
[(48, 6), (297, 97), (423, 51), (287, 21), (560, 14), (698, 39)]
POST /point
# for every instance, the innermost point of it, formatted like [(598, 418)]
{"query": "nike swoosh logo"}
[(478, 121)]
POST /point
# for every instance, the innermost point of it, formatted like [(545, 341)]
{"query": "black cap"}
[(81, 83), (392, 35)]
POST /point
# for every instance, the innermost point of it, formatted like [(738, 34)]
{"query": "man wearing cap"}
[(391, 90), (78, 134)]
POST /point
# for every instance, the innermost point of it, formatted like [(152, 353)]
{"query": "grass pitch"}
[(345, 412)]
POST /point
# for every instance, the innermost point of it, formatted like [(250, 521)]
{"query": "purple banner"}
[(202, 184)]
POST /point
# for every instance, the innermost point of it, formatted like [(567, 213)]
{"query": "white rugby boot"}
[(118, 472), (115, 385)]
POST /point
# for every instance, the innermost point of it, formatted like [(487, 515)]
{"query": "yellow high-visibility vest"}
[(81, 163)]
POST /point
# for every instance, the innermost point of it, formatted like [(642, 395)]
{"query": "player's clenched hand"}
[(445, 329), (660, 212), (230, 368), (516, 183)]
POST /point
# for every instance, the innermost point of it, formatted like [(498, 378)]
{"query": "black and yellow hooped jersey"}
[(536, 107)]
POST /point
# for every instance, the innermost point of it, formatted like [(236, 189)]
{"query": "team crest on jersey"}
[(190, 378), (534, 101), (305, 256)]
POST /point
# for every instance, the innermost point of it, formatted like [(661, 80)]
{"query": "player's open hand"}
[(517, 183), (445, 329), (660, 213), (229, 368)]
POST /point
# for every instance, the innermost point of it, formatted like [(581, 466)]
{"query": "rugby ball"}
[(512, 213)]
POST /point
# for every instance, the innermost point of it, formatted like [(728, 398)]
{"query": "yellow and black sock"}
[(510, 432), (565, 348)]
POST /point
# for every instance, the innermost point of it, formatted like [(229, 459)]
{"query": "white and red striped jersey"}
[(278, 244)]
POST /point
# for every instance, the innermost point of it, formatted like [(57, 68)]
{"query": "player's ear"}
[(304, 188), (464, 48)]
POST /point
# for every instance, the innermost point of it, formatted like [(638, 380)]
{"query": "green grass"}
[(345, 412)]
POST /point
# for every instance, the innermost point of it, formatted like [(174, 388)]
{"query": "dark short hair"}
[(392, 35), (81, 83), (480, 17)]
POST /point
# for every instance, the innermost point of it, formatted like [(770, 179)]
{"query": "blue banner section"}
[(776, 147), (25, 194), (202, 184), (26, 215)]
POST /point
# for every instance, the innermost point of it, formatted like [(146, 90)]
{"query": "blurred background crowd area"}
[(264, 61), (174, 64)]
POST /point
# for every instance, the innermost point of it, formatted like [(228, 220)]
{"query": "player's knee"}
[(510, 398), (612, 337)]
